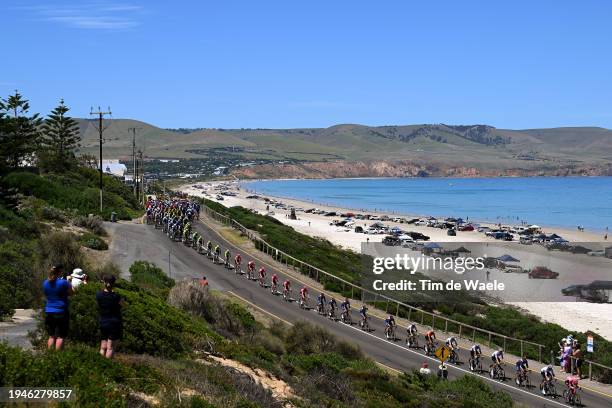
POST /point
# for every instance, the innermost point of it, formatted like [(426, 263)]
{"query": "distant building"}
[(220, 170), (114, 167), (169, 160)]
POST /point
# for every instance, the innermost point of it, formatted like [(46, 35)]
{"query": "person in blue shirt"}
[(57, 317)]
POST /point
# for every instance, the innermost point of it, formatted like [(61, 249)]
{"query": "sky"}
[(310, 63)]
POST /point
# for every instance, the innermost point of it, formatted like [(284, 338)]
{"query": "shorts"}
[(57, 324), (112, 330), (578, 363)]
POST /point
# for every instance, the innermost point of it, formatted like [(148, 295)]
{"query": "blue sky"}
[(232, 64)]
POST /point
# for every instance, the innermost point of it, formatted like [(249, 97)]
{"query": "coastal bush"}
[(149, 276), (226, 317), (20, 286), (151, 326), (60, 247), (92, 223), (96, 381), (93, 241), (75, 190)]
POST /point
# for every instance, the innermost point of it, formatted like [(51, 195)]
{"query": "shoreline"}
[(594, 235)]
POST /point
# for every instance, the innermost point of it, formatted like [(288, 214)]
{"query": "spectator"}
[(578, 356), (425, 369), (204, 282), (57, 317), (78, 278), (111, 322), (443, 372)]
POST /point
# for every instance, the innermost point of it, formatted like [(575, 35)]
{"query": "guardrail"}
[(409, 312)]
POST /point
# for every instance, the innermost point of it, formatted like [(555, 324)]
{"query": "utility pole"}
[(133, 130), (101, 129), (142, 178)]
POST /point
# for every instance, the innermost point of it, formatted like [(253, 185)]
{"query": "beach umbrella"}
[(507, 258), (463, 249)]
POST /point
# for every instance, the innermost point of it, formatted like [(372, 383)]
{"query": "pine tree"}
[(60, 137), (19, 133)]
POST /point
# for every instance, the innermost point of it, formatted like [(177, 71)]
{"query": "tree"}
[(60, 137), (19, 133)]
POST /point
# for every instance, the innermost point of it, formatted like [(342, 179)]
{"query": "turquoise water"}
[(552, 201)]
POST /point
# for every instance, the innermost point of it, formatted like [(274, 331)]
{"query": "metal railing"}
[(430, 319)]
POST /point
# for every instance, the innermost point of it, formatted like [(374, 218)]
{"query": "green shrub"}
[(92, 223), (97, 381), (306, 338), (150, 276), (228, 318), (20, 284), (76, 190), (151, 326), (61, 247), (93, 241)]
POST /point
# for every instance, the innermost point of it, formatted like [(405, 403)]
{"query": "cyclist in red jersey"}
[(303, 296), (262, 276), (251, 269), (274, 283), (286, 289)]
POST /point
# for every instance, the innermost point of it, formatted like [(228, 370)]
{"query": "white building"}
[(114, 167)]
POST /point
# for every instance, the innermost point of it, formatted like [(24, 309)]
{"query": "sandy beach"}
[(573, 315)]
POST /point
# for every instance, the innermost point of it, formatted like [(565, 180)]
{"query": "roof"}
[(600, 284), (507, 258)]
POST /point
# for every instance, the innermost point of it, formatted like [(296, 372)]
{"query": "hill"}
[(436, 149)]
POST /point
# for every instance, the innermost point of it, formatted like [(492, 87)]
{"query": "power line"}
[(101, 130)]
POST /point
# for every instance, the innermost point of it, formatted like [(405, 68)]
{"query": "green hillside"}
[(473, 146)]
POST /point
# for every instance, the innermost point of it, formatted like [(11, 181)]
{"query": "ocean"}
[(551, 201)]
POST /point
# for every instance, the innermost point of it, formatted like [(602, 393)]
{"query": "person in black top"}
[(111, 323)]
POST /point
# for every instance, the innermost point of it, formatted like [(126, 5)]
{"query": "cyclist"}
[(321, 303), (548, 374), (497, 357), (345, 309), (237, 262), (411, 332), (430, 336), (363, 313), (571, 383), (475, 353), (451, 343), (303, 296), (522, 365), (332, 308), (286, 289), (390, 326), (194, 238), (199, 243), (250, 269), (274, 283), (262, 276), (217, 253), (227, 258), (209, 248)]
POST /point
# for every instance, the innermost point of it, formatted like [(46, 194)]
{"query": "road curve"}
[(133, 242)]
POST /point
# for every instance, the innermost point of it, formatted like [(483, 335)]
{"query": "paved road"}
[(136, 241), (16, 331)]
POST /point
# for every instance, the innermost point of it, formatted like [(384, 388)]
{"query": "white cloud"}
[(89, 15)]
